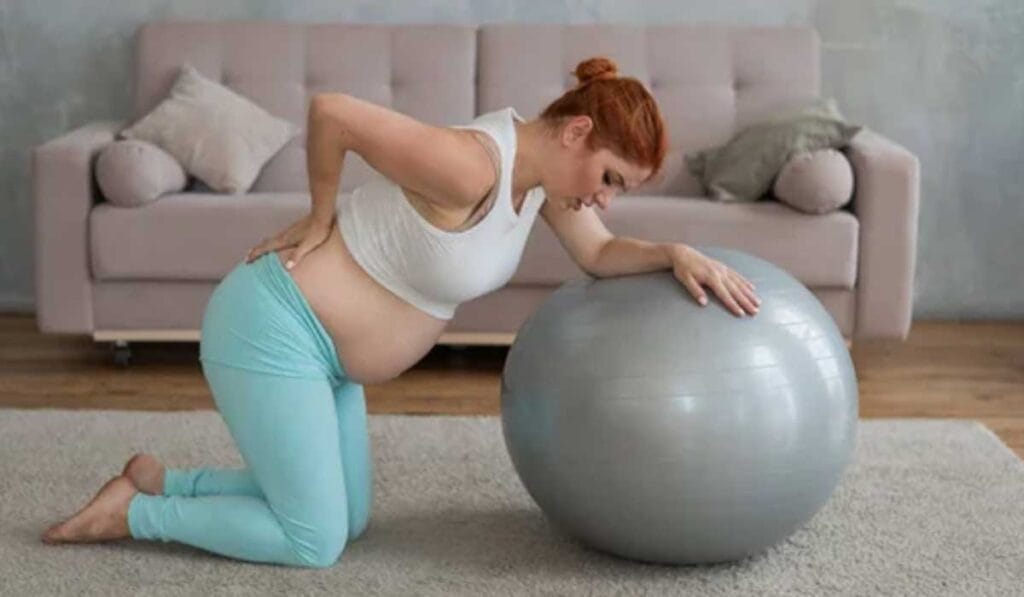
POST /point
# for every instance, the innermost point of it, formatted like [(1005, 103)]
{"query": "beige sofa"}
[(145, 273)]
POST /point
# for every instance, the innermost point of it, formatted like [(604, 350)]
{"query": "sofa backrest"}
[(709, 79), (426, 71)]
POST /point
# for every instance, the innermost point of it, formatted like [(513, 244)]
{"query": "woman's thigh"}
[(259, 332), (258, 319), (286, 429), (356, 454)]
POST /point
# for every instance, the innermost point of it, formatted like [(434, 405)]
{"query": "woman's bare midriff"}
[(377, 335)]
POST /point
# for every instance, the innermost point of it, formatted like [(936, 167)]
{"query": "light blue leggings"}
[(299, 423)]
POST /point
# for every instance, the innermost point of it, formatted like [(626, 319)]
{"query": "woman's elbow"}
[(325, 108)]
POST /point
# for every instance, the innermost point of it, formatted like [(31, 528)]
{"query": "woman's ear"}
[(576, 130)]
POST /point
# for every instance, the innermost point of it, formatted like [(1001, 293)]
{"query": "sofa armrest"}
[(64, 191), (885, 200)]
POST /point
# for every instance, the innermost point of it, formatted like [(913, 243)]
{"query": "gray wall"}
[(945, 78)]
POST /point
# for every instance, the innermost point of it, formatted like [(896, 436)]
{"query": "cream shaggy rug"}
[(926, 507)]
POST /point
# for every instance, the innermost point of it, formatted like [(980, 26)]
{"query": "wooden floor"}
[(971, 370)]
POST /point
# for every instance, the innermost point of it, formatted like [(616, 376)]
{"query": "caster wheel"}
[(122, 354)]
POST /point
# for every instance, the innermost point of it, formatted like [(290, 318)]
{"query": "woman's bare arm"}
[(441, 164), (325, 153)]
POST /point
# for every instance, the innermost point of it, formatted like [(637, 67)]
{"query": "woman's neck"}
[(525, 167)]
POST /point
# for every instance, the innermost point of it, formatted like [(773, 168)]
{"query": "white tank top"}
[(431, 268)]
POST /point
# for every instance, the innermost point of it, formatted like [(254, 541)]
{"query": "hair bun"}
[(599, 67)]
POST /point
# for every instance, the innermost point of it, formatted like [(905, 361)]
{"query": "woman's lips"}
[(578, 203)]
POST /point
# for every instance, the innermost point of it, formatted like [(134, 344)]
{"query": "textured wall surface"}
[(945, 78)]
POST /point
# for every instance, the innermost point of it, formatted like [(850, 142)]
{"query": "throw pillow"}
[(219, 136), (133, 172), (743, 169), (816, 181)]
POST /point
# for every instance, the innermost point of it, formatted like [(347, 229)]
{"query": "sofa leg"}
[(122, 353)]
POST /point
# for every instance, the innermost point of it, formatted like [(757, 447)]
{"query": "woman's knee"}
[(320, 539), (327, 553), (357, 529)]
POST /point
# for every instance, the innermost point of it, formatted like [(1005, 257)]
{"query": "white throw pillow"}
[(217, 135)]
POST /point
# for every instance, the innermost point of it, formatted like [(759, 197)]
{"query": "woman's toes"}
[(104, 518), (52, 534)]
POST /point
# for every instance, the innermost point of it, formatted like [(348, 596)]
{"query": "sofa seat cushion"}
[(819, 250), (186, 236), (202, 236)]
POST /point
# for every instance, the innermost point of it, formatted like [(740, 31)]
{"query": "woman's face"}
[(582, 177)]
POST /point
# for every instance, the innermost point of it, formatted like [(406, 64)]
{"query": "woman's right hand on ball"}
[(306, 234)]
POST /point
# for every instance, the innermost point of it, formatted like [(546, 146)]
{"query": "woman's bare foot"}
[(104, 518), (146, 473)]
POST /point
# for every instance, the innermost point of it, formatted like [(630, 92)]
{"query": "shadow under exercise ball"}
[(651, 428)]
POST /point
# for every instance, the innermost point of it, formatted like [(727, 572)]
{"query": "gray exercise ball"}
[(651, 428)]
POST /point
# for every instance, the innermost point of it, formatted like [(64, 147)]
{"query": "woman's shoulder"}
[(495, 122)]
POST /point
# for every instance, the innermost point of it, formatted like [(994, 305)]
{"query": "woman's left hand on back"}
[(306, 234)]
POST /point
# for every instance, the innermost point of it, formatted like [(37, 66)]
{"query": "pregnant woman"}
[(291, 335)]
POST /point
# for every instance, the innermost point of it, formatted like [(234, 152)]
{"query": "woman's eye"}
[(607, 181)]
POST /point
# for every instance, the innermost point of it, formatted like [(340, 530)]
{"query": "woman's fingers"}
[(718, 284), (729, 290), (735, 297), (744, 290), (694, 287), (728, 272), (255, 252), (753, 297), (741, 296), (303, 248), (266, 246), (295, 256)]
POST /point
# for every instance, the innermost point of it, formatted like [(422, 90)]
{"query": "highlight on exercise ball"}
[(651, 428)]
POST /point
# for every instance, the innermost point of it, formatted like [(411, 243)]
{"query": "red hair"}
[(626, 118)]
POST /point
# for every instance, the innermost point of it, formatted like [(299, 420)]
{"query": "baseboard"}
[(17, 304), (143, 335)]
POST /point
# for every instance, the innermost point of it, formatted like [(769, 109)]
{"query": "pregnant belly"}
[(376, 334)]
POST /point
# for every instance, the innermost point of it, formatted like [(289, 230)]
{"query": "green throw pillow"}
[(743, 169)]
